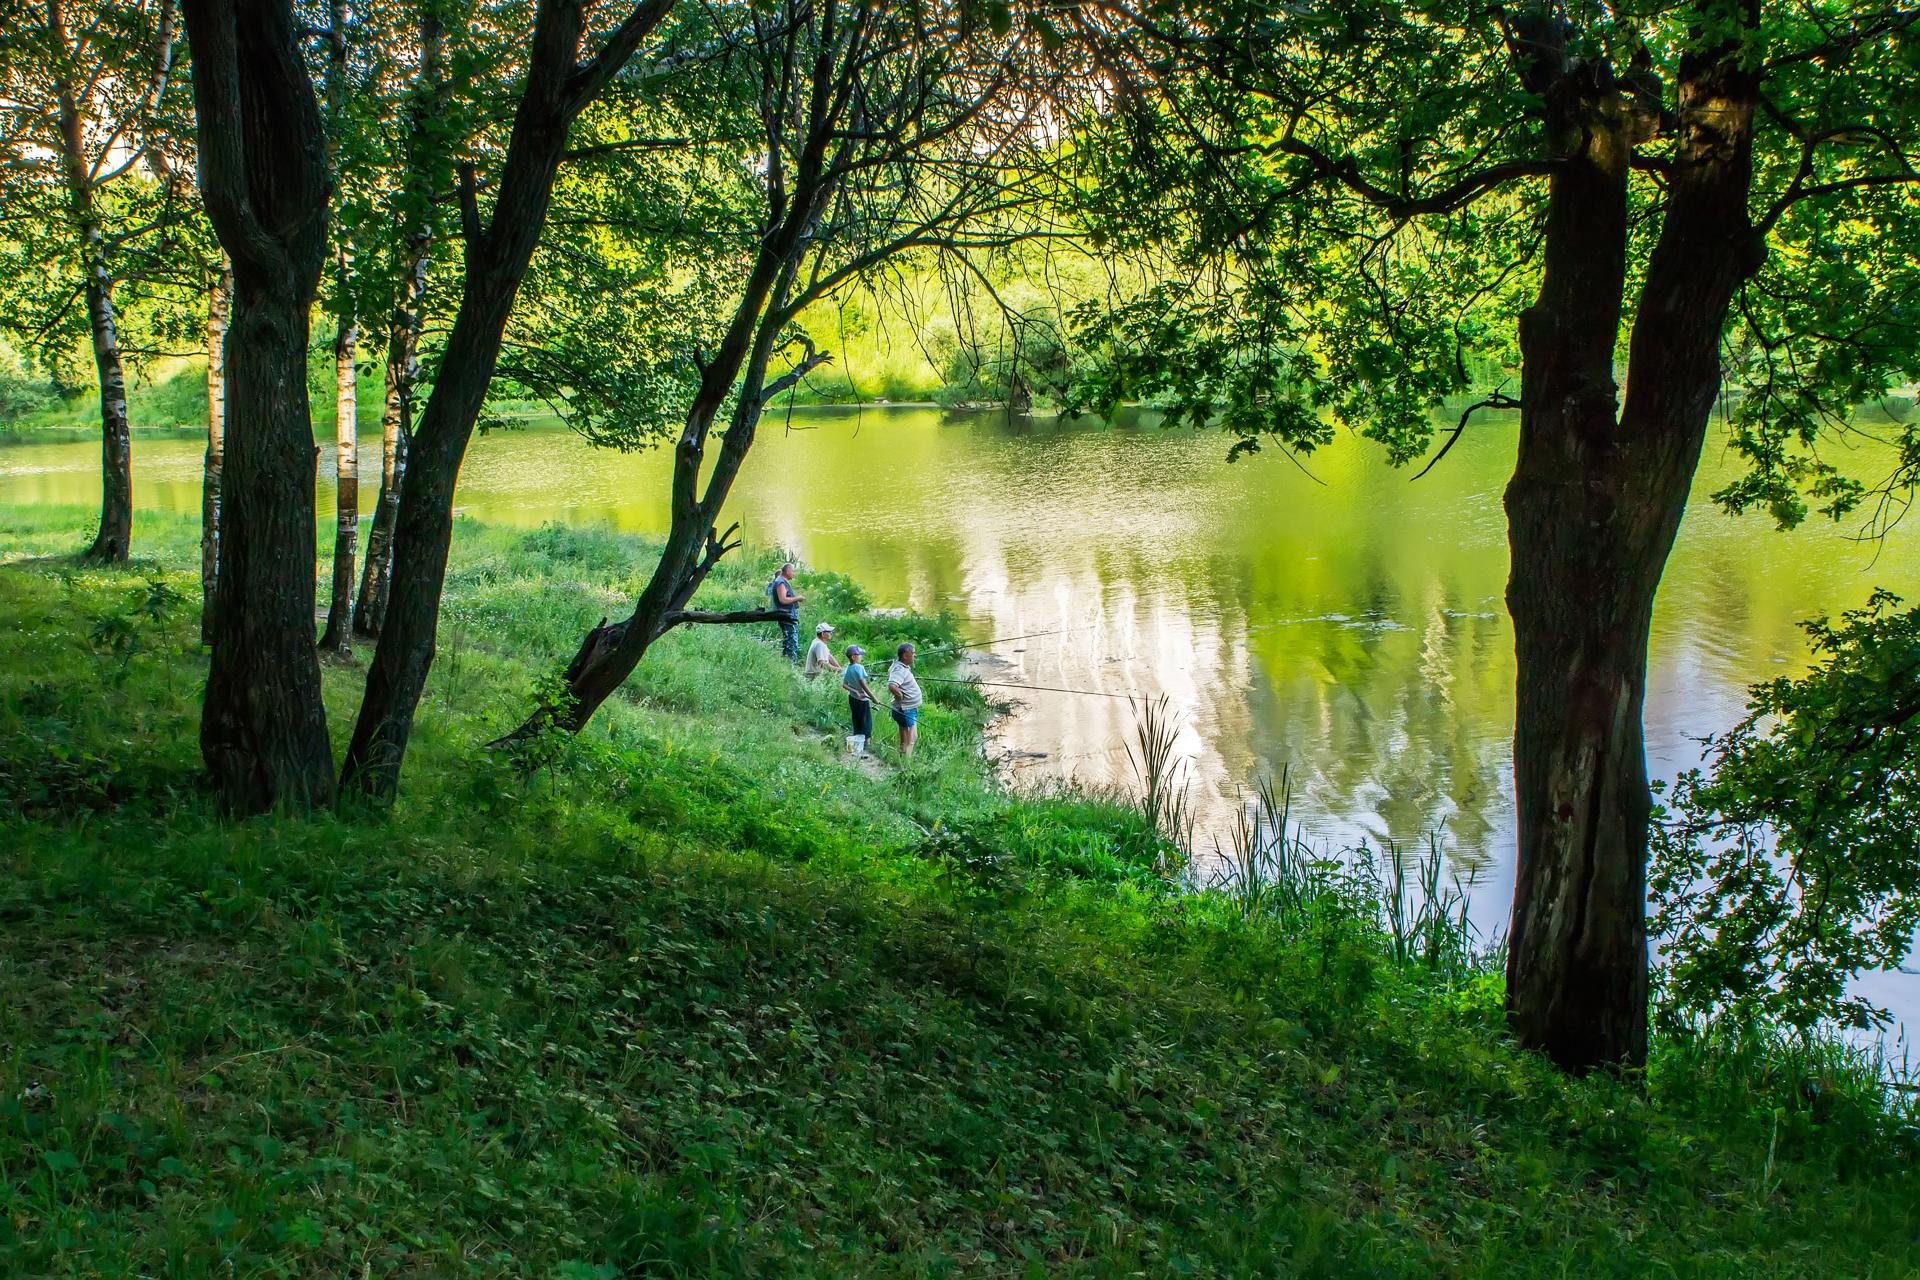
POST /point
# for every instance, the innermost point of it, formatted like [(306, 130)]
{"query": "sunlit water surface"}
[(1335, 618)]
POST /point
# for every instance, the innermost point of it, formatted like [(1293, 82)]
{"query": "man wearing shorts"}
[(905, 691)]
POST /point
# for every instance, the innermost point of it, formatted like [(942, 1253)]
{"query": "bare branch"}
[(792, 377), (685, 616), (1497, 400)]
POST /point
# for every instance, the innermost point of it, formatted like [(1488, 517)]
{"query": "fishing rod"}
[(1043, 688), (987, 644)]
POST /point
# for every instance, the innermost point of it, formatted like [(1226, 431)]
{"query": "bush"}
[(1030, 365), (1793, 863), (22, 393)]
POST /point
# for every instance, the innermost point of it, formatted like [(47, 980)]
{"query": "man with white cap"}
[(819, 655)]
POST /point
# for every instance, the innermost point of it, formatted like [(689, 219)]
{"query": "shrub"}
[(1793, 863)]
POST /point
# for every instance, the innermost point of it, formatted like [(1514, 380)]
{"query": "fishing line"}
[(985, 644), (1043, 688)]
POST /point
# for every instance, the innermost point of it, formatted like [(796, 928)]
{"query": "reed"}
[(1164, 772), (1417, 907)]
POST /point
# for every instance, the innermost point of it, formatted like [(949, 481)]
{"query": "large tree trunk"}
[(1581, 596), (219, 298), (555, 91), (1593, 509), (337, 637), (263, 176)]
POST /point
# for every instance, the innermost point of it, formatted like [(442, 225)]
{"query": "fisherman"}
[(786, 603), (905, 691), (819, 655), (860, 699)]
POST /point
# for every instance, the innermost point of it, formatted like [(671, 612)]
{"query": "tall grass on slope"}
[(697, 1003)]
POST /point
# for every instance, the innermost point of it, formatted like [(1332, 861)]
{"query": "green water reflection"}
[(1348, 623)]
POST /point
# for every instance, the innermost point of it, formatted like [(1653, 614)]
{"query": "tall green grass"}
[(702, 996)]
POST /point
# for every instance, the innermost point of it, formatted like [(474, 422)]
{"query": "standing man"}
[(786, 603), (819, 654), (905, 691)]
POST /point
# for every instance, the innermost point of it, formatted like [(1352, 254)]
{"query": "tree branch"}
[(1498, 400), (631, 144), (1346, 171), (690, 616), (1800, 188), (589, 78), (808, 363)]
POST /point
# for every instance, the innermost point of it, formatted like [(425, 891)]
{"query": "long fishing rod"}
[(988, 644), (1044, 688)]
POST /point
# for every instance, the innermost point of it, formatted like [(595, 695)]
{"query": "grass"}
[(702, 998)]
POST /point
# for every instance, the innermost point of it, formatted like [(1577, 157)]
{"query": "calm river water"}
[(1346, 623)]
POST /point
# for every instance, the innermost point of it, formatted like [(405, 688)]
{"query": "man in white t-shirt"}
[(819, 653), (905, 692)]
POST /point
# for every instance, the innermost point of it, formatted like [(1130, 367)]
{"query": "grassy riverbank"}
[(701, 998)]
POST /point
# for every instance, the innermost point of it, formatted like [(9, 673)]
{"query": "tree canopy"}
[(1355, 203)]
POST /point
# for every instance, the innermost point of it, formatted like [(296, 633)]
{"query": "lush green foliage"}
[(93, 126), (1793, 863), (21, 392), (1348, 237), (702, 998)]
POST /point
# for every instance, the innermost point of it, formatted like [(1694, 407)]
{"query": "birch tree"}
[(84, 92)]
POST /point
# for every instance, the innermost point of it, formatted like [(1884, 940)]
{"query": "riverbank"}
[(698, 997)]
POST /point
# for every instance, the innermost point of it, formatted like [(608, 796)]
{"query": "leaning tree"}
[(568, 66), (1364, 198), (838, 137)]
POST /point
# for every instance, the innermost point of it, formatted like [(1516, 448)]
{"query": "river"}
[(1335, 617)]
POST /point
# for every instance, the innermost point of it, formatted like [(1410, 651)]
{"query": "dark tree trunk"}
[(1593, 508), (423, 536), (497, 257), (338, 636), (263, 176), (219, 298)]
